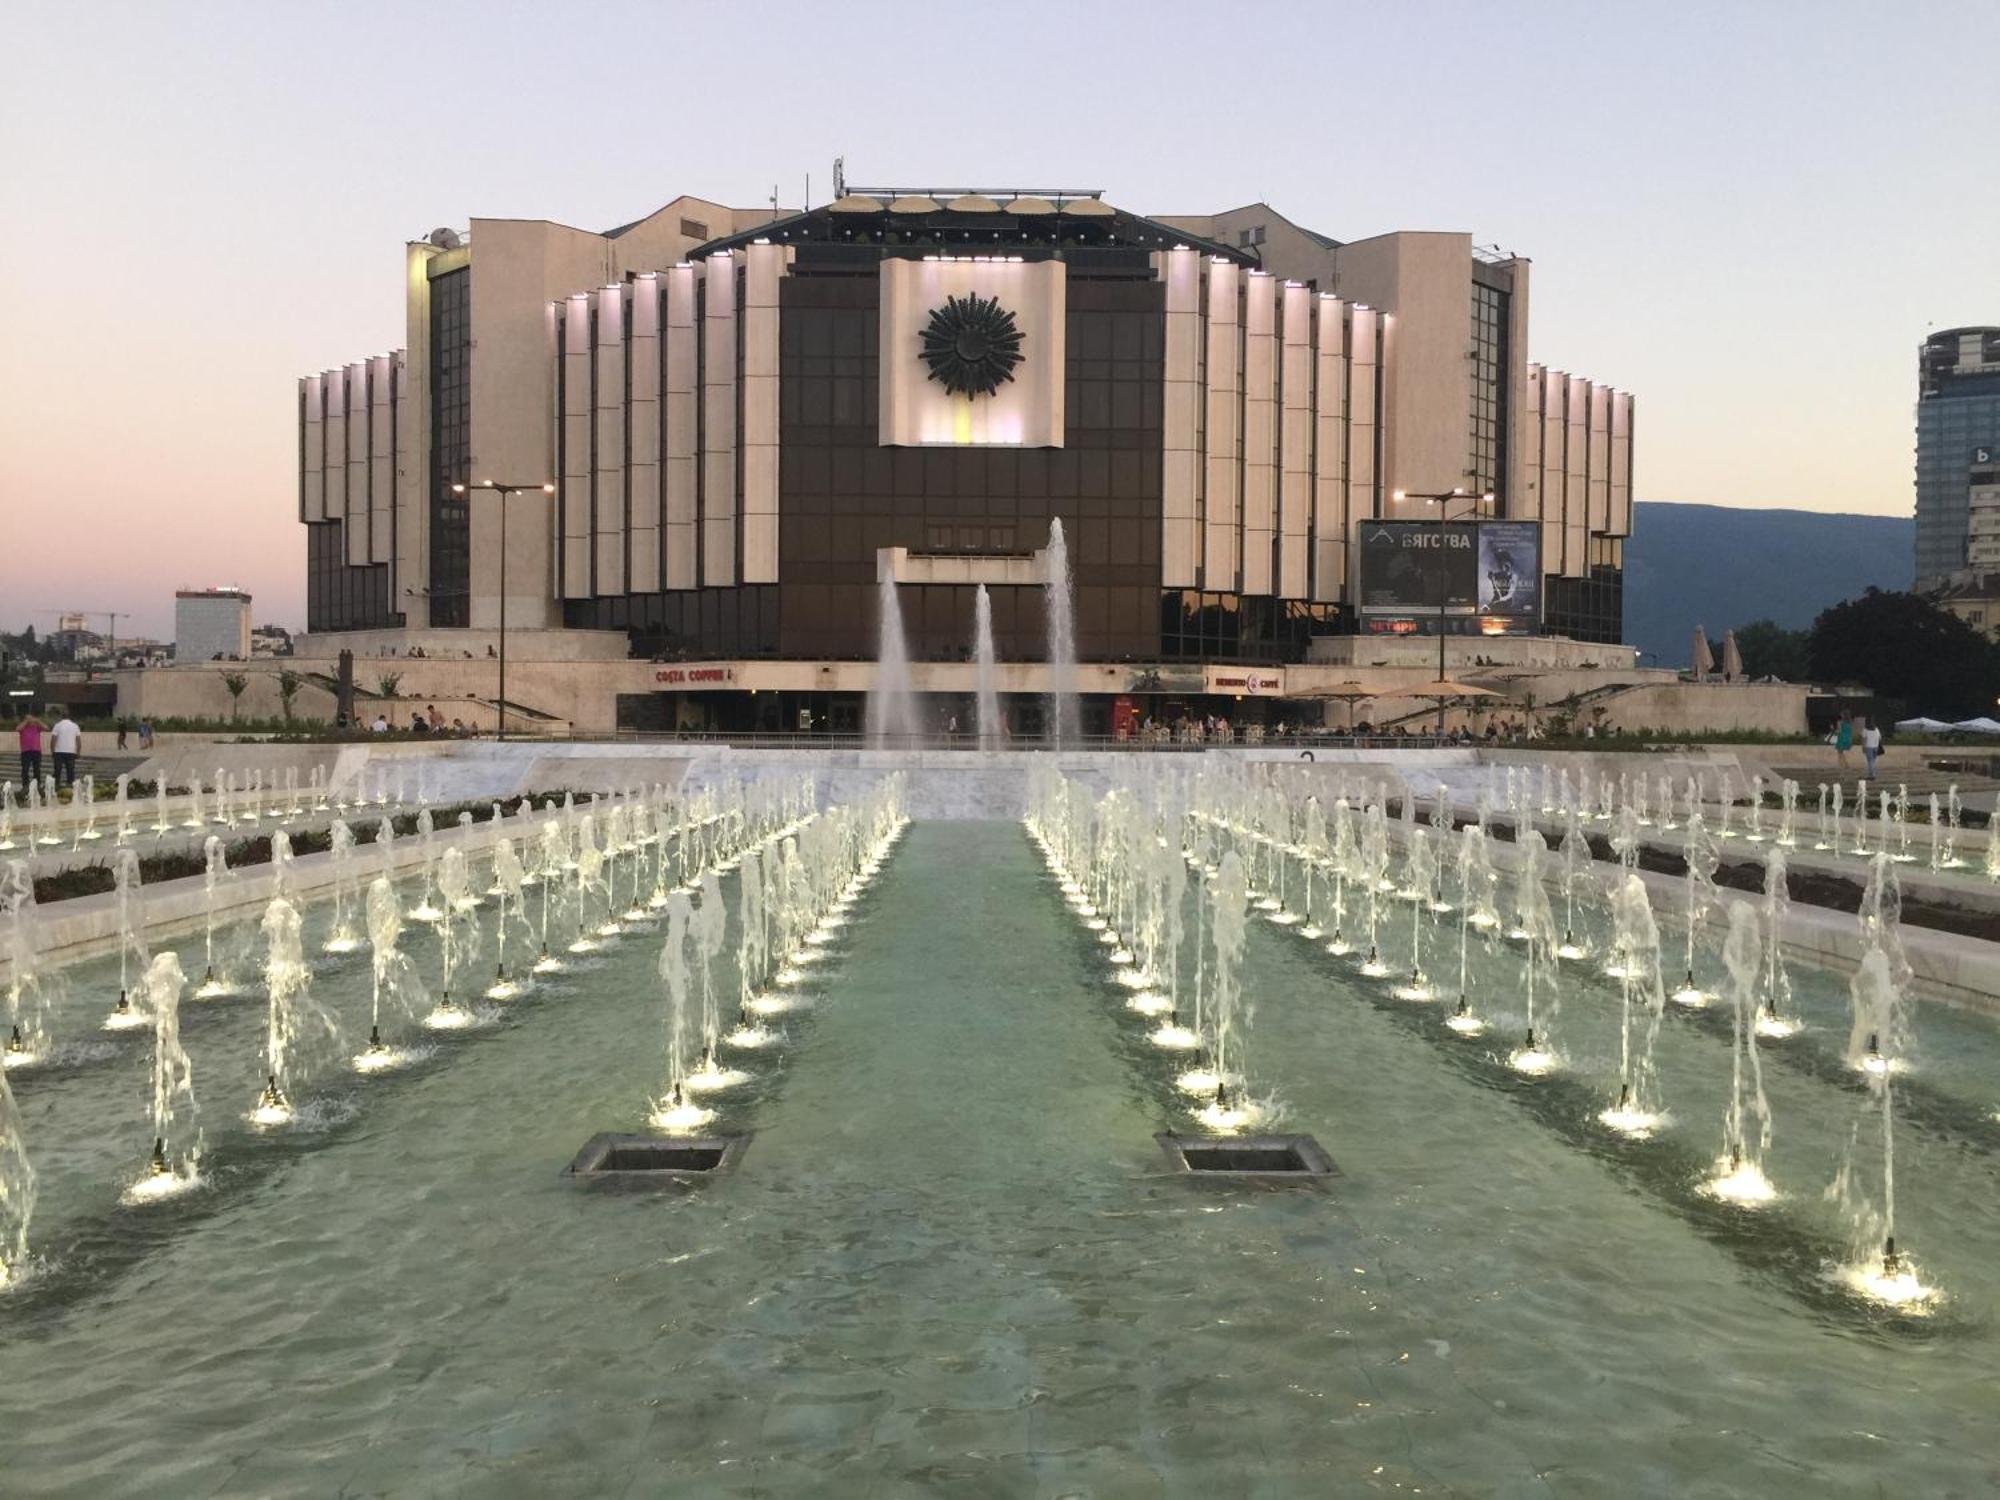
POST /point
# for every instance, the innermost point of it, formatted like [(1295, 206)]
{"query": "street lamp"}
[(503, 491), (1443, 502)]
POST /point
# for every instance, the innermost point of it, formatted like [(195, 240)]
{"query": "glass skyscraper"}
[(1958, 453)]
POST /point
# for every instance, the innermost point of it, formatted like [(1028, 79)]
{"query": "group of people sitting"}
[(425, 721)]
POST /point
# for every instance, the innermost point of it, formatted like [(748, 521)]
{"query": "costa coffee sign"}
[(695, 676), (1249, 682)]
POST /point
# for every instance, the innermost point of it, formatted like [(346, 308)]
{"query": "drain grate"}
[(1255, 1158), (651, 1160)]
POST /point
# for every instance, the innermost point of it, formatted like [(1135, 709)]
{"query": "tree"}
[(1903, 646), (388, 682), (289, 683), (1770, 650), (236, 682)]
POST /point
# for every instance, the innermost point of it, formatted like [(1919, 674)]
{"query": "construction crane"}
[(111, 619)]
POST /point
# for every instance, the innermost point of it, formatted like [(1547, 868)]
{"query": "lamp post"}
[(503, 491), (1445, 517)]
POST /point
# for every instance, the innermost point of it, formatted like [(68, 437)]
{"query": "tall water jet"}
[(1642, 999), (1374, 860), (427, 909), (395, 981), (892, 706), (173, 1167), (1774, 1013), (215, 875), (28, 998), (454, 883), (986, 672), (674, 1110), (1419, 873), (1060, 600), (1229, 899), (554, 851), (132, 953), (344, 937), (17, 1190), (1702, 860), (508, 876), (1478, 885), (709, 927), (1535, 925), (1746, 1122), (292, 1019)]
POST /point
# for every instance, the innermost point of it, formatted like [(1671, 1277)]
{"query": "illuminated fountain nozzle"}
[(158, 1166), (1463, 1021)]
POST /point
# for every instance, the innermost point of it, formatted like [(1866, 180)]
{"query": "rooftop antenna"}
[(839, 177)]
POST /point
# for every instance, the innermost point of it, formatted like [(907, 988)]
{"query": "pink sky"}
[(1748, 215)]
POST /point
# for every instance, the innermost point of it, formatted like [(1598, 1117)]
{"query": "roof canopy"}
[(973, 223)]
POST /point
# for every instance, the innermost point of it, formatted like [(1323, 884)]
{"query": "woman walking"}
[(1843, 737)]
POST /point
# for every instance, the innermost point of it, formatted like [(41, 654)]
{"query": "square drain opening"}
[(643, 1160), (1260, 1158)]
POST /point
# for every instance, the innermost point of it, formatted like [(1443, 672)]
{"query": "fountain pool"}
[(953, 1260)]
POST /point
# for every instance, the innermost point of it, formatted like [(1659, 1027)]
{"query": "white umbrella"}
[(1980, 725), (1703, 658), (1922, 725), (1732, 658)]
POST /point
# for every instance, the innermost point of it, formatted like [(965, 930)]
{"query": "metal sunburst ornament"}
[(972, 345)]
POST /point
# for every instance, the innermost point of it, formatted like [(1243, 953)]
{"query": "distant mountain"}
[(1713, 565)]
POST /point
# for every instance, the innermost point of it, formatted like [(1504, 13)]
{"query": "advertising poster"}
[(1405, 564), (1510, 573)]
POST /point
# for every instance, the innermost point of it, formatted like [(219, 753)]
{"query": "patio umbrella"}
[(1732, 658), (1981, 725), (1921, 725), (1703, 658)]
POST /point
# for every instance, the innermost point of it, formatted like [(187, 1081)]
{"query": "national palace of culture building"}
[(745, 419)]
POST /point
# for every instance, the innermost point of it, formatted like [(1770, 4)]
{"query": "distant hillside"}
[(1712, 565)]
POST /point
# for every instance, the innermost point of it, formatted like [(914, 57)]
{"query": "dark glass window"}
[(451, 447), (1486, 460)]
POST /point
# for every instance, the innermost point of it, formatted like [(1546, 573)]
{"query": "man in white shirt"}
[(381, 725), (1871, 744), (64, 742)]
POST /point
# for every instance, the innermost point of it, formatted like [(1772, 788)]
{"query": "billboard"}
[(1462, 577)]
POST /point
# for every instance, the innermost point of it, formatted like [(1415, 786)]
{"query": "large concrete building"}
[(1958, 456), (211, 624), (747, 419)]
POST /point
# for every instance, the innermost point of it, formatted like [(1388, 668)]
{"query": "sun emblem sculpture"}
[(971, 345)]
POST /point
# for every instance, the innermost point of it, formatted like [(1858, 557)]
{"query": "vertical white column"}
[(1600, 459), (764, 267), (355, 510), (1621, 463), (1222, 469), (381, 458), (312, 457), (387, 536), (1180, 549), (577, 558), (682, 423), (1295, 439), (1363, 372), (334, 492), (1576, 474), (1260, 429), (718, 422), (409, 489), (608, 477), (1329, 492), (643, 418)]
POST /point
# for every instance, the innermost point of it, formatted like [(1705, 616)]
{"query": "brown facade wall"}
[(842, 496)]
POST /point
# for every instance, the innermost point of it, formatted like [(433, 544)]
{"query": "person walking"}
[(31, 749), (1843, 737), (1871, 744), (66, 739)]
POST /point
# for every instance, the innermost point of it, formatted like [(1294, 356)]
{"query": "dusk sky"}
[(1748, 215)]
